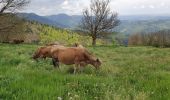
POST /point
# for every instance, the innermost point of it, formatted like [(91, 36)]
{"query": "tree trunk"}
[(94, 41)]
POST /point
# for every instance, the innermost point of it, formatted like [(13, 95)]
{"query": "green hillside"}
[(50, 34), (34, 32)]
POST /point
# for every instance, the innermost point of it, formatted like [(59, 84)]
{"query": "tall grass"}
[(127, 73)]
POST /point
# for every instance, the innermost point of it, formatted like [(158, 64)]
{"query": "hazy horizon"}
[(81, 14), (75, 7)]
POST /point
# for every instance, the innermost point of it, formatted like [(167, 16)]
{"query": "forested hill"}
[(34, 32), (146, 26), (128, 25)]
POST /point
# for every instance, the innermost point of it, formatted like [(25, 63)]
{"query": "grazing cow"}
[(42, 52), (45, 52), (55, 61), (75, 55), (67, 55)]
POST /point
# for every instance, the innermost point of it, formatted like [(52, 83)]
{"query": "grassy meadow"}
[(127, 73)]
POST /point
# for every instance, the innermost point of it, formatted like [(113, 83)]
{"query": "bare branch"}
[(12, 5), (98, 19)]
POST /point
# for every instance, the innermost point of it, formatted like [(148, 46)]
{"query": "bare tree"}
[(98, 19), (11, 27), (10, 24), (12, 5), (7, 7)]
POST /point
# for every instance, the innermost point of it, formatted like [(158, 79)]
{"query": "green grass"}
[(127, 73)]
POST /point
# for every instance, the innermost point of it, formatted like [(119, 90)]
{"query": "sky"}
[(75, 7)]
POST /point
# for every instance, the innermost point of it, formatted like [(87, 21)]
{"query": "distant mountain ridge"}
[(66, 20), (40, 19), (144, 17), (129, 24)]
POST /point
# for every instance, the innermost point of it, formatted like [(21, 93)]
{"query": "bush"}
[(156, 39)]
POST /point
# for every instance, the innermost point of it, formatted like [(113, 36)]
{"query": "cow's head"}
[(36, 55), (97, 63)]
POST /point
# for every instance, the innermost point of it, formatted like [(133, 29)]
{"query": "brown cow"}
[(45, 52), (42, 52), (75, 55)]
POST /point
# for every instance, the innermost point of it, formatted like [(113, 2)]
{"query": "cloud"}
[(123, 7), (142, 6), (162, 4), (151, 6), (65, 3), (129, 7)]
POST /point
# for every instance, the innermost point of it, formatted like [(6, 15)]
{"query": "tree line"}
[(156, 39)]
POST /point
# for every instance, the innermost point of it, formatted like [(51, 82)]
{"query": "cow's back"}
[(70, 55)]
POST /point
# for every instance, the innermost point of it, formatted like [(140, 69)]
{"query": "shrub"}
[(156, 39)]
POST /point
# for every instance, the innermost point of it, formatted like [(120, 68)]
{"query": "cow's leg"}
[(82, 66), (55, 62), (81, 69), (77, 64), (76, 67)]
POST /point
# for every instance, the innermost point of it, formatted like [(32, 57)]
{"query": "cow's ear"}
[(97, 60)]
